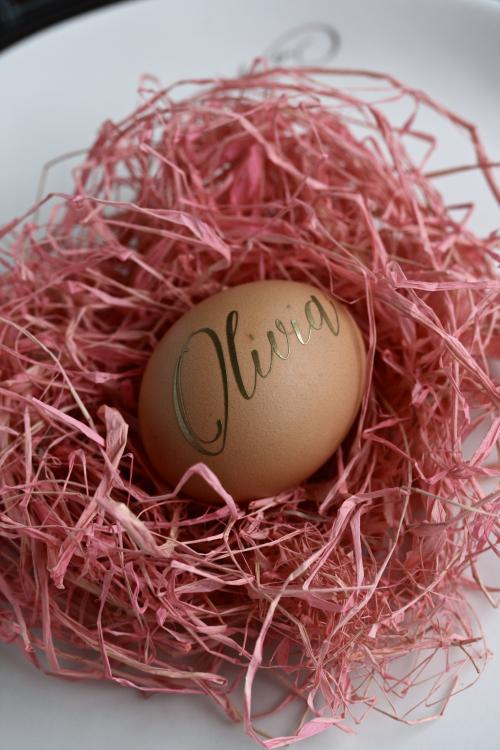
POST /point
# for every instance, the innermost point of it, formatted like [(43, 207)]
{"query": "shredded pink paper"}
[(330, 587)]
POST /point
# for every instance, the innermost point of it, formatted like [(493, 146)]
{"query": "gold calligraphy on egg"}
[(279, 349)]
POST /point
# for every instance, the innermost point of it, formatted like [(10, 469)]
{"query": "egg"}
[(261, 382)]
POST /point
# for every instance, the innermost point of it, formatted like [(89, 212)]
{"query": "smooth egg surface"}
[(261, 382)]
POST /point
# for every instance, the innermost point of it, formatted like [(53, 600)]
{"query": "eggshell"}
[(260, 382)]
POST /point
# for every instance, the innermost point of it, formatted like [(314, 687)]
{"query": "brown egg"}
[(260, 382)]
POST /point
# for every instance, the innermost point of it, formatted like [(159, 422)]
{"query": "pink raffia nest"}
[(326, 588)]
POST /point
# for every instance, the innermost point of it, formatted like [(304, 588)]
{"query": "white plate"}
[(56, 88)]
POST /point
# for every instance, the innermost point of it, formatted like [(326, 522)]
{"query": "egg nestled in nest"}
[(260, 382)]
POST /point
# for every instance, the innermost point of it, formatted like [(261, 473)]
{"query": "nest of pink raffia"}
[(324, 589)]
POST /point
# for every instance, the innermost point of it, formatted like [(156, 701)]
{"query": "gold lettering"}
[(231, 327), (322, 316), (280, 326), (274, 350), (186, 428), (298, 334), (311, 306)]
